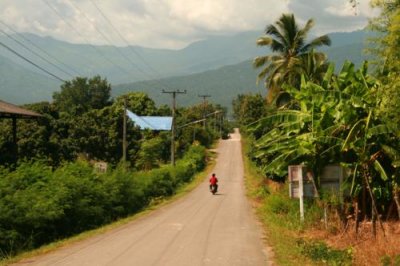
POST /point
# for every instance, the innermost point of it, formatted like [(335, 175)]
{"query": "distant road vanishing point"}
[(198, 229)]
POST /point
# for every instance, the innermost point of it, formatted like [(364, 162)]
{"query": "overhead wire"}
[(102, 34), (151, 77), (39, 48), (87, 42), (35, 53), (123, 38), (130, 47), (29, 61)]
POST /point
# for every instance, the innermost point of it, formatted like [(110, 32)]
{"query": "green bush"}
[(320, 252), (38, 205)]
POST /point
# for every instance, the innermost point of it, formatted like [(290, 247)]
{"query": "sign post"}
[(301, 184)]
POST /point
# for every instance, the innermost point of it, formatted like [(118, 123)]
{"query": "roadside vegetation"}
[(40, 205), (317, 115), (285, 235), (51, 187)]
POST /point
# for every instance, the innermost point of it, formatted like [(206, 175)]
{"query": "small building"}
[(13, 112)]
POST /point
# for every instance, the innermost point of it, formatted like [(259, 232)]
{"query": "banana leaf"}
[(379, 168)]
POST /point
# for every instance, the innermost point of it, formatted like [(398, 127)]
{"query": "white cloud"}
[(344, 9), (171, 23), (332, 15)]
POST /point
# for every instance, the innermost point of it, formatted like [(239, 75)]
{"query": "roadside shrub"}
[(27, 207), (126, 193), (38, 205), (320, 252)]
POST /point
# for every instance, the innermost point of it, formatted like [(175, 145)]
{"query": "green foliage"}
[(278, 204), (389, 261), (384, 46), (82, 94), (320, 252), (248, 108), (191, 129), (390, 52), (334, 122), (96, 134), (38, 205), (151, 152)]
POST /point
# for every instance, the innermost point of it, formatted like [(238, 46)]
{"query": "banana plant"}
[(336, 121)]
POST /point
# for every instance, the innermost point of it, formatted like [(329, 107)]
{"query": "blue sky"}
[(171, 24)]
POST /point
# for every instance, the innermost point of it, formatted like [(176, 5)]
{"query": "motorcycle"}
[(214, 189)]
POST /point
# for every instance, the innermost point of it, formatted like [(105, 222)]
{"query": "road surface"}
[(198, 229)]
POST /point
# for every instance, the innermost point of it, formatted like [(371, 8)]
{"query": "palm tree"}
[(288, 44)]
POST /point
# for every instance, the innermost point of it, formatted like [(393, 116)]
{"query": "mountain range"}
[(218, 65)]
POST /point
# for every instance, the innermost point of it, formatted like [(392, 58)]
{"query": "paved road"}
[(199, 229)]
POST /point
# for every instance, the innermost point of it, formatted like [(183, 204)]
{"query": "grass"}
[(280, 218), (155, 205)]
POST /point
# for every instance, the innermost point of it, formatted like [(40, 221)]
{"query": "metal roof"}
[(151, 122), (8, 110)]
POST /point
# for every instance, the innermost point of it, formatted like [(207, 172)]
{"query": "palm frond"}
[(261, 60), (264, 41)]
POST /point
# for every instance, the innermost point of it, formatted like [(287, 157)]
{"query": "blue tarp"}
[(151, 122)]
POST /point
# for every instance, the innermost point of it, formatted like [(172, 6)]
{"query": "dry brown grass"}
[(367, 249)]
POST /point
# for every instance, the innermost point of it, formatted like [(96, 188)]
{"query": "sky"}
[(171, 24)]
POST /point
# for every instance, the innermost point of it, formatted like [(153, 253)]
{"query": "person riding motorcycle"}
[(213, 181)]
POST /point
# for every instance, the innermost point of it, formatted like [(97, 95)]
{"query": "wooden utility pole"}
[(205, 96), (124, 134), (173, 122)]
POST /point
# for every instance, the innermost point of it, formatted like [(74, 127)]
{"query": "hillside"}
[(23, 83), (225, 83), (19, 85), (126, 64)]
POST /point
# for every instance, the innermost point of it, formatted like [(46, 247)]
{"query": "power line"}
[(33, 52), (103, 35), (87, 42), (29, 61), (129, 46), (39, 48)]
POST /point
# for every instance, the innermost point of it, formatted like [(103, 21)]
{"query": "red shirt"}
[(213, 180)]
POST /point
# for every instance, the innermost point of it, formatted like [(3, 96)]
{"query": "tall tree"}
[(248, 108), (384, 45), (288, 44), (386, 49), (82, 94)]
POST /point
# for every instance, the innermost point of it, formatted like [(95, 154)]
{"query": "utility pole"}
[(124, 134), (204, 96), (173, 122), (220, 124)]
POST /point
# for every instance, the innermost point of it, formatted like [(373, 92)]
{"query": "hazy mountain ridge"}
[(19, 85), (209, 54)]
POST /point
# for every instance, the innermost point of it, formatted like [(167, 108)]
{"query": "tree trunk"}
[(396, 199), (373, 218), (390, 210), (356, 215), (364, 200), (374, 209)]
